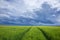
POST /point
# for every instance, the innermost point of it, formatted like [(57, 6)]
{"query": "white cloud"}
[(58, 19), (33, 4), (54, 3), (25, 7), (21, 6), (4, 15)]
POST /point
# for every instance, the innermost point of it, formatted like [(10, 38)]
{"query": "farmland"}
[(29, 33)]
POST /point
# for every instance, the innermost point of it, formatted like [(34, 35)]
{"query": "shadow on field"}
[(20, 36), (45, 34)]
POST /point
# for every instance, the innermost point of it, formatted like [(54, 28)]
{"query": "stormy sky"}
[(30, 12)]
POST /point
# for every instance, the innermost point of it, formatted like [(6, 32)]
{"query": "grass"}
[(29, 32), (34, 34), (52, 32)]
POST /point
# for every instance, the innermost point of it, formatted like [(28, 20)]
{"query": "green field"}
[(29, 33)]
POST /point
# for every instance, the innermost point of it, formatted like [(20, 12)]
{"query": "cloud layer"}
[(30, 12)]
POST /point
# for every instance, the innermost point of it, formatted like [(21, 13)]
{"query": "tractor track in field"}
[(22, 35), (44, 33)]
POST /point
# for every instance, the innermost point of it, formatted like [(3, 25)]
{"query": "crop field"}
[(29, 32)]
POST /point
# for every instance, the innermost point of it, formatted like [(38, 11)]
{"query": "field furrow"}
[(45, 34), (34, 34), (22, 35), (29, 33), (12, 33), (52, 33)]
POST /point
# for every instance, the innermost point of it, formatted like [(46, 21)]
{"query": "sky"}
[(30, 12)]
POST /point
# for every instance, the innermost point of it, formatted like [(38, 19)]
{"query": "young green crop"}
[(34, 34), (11, 33), (29, 32), (52, 32)]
